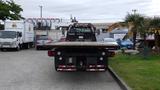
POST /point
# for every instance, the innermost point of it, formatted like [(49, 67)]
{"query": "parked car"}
[(41, 41), (62, 39), (128, 44), (110, 40)]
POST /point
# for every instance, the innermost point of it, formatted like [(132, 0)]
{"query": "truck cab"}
[(81, 32), (17, 34), (10, 39)]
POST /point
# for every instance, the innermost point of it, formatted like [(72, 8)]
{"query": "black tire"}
[(56, 69), (106, 69), (37, 48), (28, 46), (2, 49), (21, 46), (31, 45), (18, 48), (55, 65)]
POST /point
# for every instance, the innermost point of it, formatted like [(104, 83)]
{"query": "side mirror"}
[(97, 32), (20, 34)]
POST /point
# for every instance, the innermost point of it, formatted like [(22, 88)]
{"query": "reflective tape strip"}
[(59, 69), (100, 65), (95, 69)]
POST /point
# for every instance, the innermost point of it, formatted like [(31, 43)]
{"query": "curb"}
[(120, 82)]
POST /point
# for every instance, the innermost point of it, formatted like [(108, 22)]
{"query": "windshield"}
[(42, 38), (80, 29), (8, 34), (109, 40), (127, 42)]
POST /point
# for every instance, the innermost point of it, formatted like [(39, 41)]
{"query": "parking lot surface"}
[(34, 70)]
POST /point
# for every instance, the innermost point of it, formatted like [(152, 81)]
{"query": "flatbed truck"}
[(80, 51)]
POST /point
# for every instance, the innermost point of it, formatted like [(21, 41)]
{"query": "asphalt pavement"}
[(34, 70)]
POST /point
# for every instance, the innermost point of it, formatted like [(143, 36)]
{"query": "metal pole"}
[(41, 7), (134, 11), (41, 11), (134, 36), (41, 15)]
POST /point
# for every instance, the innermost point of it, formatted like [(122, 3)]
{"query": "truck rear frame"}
[(71, 56)]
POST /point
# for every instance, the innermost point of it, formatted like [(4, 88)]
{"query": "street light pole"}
[(41, 15), (134, 11), (41, 11), (41, 7)]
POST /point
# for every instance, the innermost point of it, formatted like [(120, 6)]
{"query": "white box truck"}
[(17, 34)]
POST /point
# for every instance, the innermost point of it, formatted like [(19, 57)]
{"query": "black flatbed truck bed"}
[(80, 50)]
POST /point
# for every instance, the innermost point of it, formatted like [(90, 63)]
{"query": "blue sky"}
[(89, 10)]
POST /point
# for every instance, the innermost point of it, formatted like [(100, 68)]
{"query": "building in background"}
[(118, 33)]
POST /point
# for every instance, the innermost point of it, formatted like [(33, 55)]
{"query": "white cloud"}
[(102, 10), (154, 8)]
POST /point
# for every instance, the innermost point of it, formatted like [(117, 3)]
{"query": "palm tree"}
[(145, 29), (155, 29), (135, 21)]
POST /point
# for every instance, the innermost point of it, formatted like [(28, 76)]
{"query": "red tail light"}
[(51, 53), (62, 39), (37, 43), (49, 41)]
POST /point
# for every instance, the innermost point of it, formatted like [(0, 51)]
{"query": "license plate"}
[(5, 46), (70, 60), (80, 37)]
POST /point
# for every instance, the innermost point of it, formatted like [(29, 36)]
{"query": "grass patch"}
[(138, 72)]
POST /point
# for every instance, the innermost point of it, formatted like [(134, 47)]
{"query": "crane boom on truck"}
[(80, 51)]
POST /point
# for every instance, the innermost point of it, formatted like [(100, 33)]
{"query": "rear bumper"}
[(72, 68), (128, 47), (43, 46), (94, 70)]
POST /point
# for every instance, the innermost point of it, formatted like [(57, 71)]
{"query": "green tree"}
[(4, 10), (10, 10), (145, 28), (136, 21), (15, 10), (155, 29)]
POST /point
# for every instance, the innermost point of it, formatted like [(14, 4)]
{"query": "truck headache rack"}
[(84, 44)]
